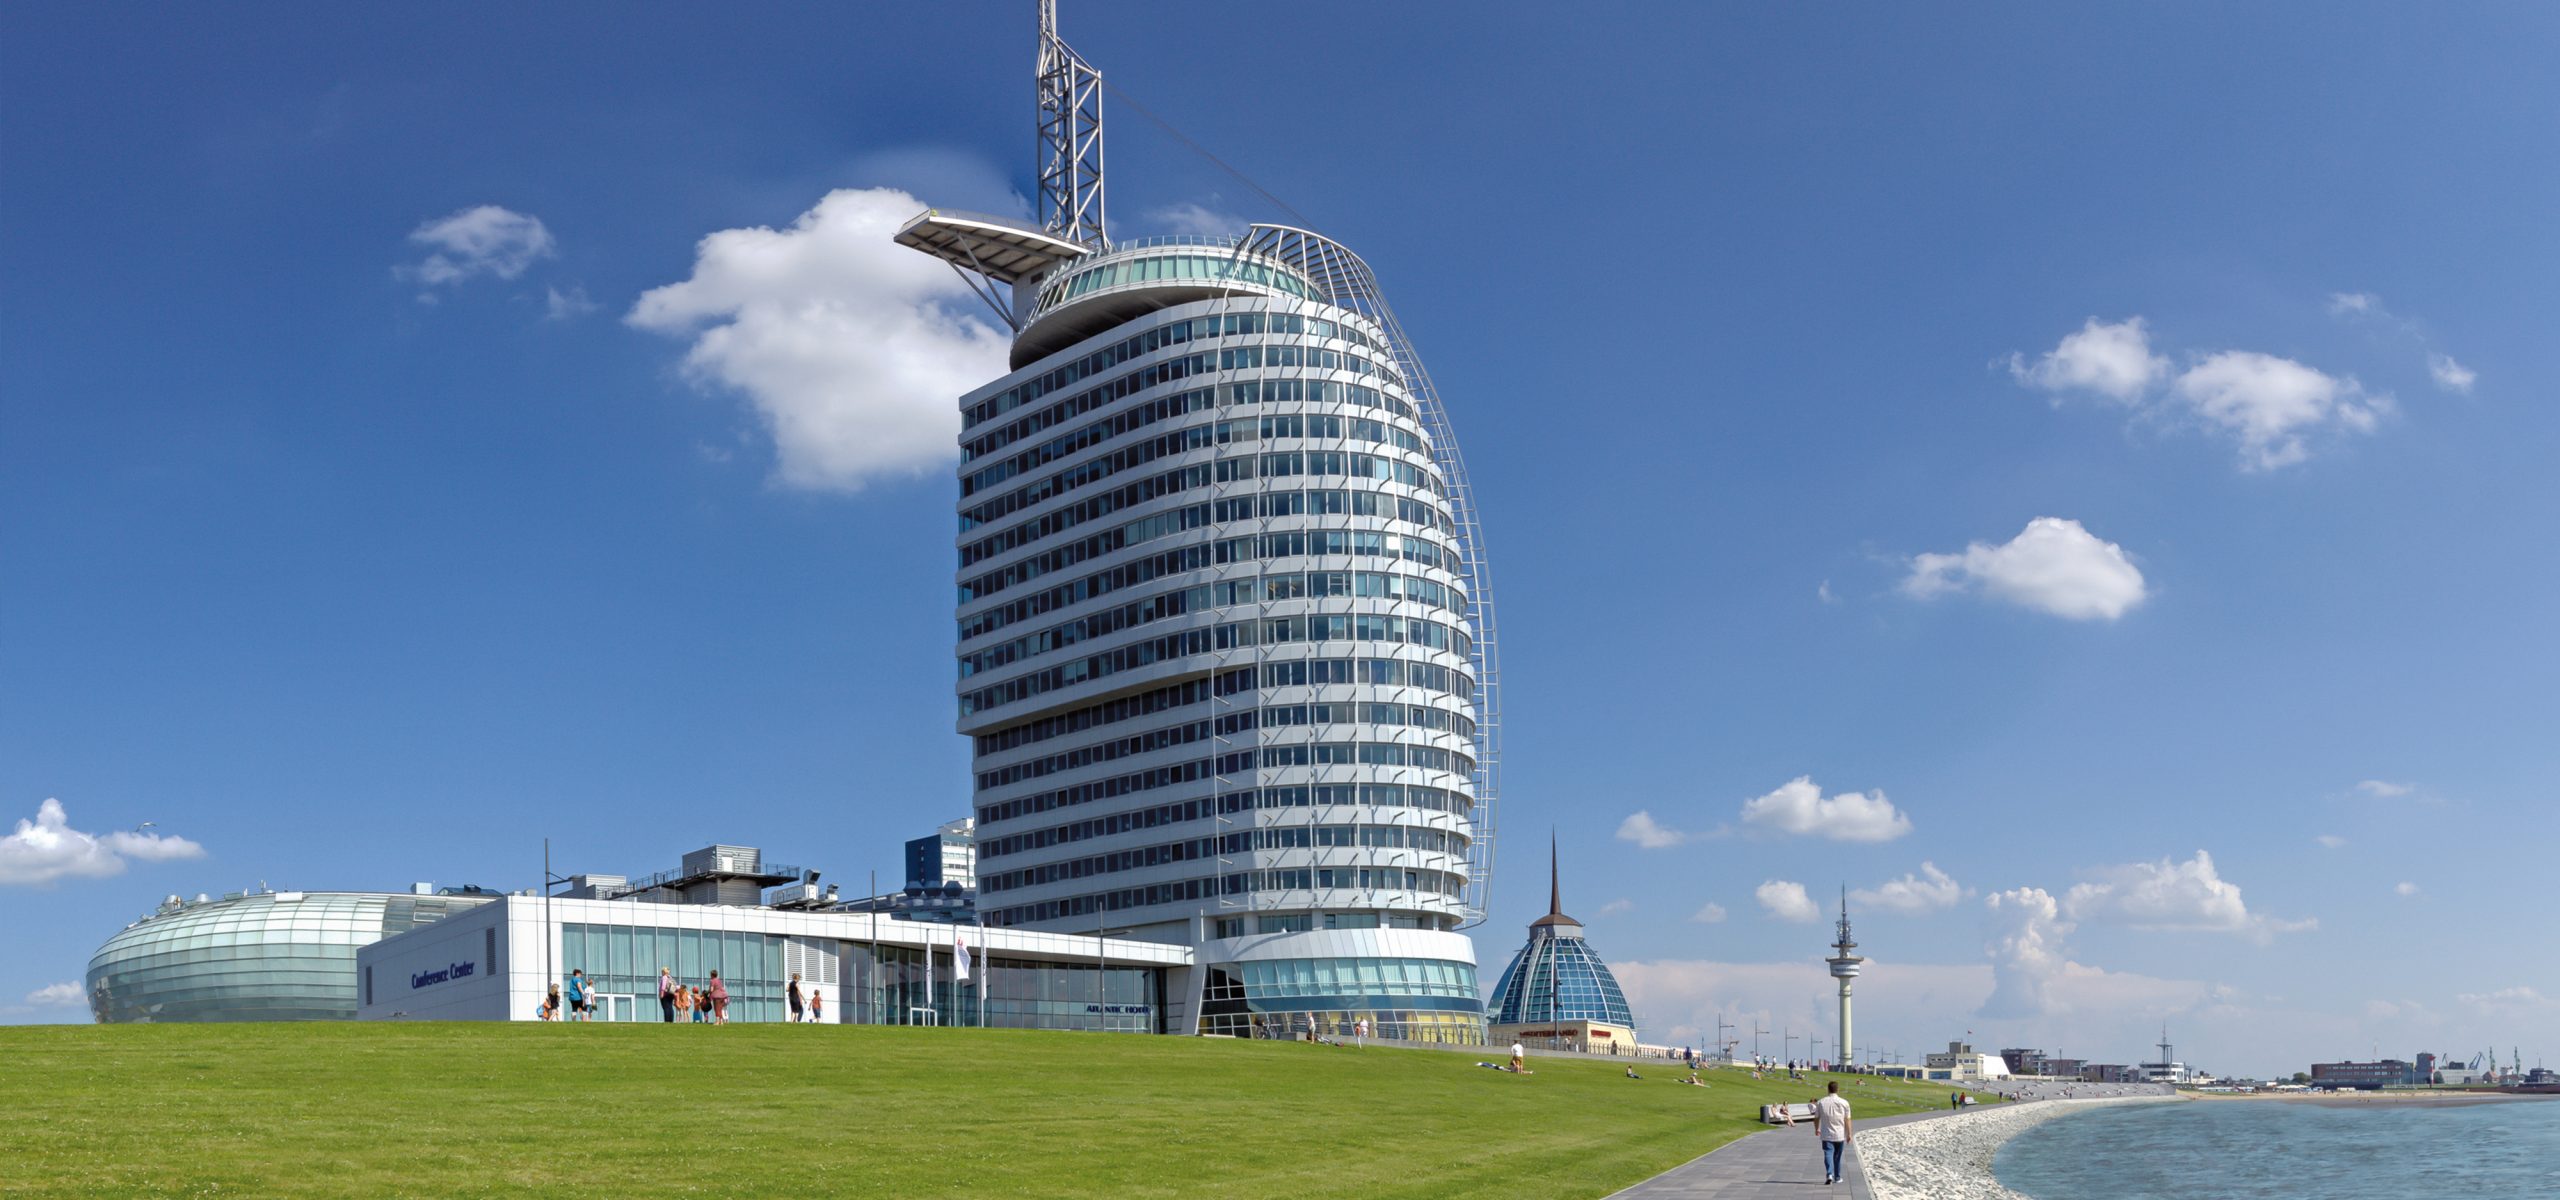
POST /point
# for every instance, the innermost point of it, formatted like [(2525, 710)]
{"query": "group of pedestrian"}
[(806, 1004), (704, 1005), (581, 1000)]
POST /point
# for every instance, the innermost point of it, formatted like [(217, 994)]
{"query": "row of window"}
[(1282, 796), (1437, 883), (1136, 416), (1112, 712), (1280, 837), (1189, 558), (1312, 672), (1350, 464), (1174, 333), (1232, 763), (1391, 672), (1373, 795), (1248, 548), (1420, 716), (1342, 754), (1210, 596), (1107, 750), (1320, 393), (1411, 631)]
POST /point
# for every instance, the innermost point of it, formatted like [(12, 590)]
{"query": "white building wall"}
[(442, 972)]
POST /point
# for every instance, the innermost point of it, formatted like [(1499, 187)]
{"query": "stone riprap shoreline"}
[(1949, 1158)]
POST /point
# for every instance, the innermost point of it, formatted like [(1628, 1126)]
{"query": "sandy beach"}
[(1949, 1158)]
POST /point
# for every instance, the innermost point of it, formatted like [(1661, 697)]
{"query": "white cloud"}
[(47, 848), (1823, 593), (2112, 360), (2330, 841), (2053, 566), (2026, 951), (1787, 901), (2507, 998), (1712, 914), (1644, 831), (2271, 404), (2384, 788), (2405, 888), (558, 305), (1615, 907), (1799, 807), (2169, 895), (2450, 375), (1198, 220), (58, 995), (1928, 891), (853, 349), (487, 240)]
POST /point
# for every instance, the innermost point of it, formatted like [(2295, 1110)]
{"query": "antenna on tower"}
[(1070, 138)]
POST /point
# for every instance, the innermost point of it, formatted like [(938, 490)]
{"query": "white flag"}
[(959, 956)]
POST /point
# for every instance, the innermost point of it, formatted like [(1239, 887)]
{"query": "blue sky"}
[(1771, 332)]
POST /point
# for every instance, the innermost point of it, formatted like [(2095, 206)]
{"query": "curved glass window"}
[(273, 956), (1558, 979), (1204, 266)]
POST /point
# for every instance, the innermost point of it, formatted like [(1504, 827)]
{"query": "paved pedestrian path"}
[(1783, 1162)]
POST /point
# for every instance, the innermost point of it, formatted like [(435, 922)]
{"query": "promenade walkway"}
[(1784, 1162)]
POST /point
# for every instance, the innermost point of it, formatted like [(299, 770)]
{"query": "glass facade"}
[(273, 956), (1558, 978), (1243, 532), (865, 983), (1402, 998)]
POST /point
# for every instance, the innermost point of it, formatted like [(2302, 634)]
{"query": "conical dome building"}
[(1557, 993)]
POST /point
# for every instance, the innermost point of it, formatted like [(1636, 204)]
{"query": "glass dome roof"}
[(1557, 977)]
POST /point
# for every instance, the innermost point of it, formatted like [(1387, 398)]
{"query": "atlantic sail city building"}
[(1225, 646)]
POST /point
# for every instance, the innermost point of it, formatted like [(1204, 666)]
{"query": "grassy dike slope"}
[(812, 1112)]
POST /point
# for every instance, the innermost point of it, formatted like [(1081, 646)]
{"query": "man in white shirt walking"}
[(1831, 1124)]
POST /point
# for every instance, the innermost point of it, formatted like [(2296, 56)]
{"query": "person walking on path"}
[(719, 1000), (666, 996), (817, 1005), (795, 999), (578, 1002), (1831, 1125)]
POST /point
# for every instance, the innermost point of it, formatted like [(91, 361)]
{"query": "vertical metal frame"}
[(1070, 137)]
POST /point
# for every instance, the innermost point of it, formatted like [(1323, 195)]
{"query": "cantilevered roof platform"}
[(1004, 251)]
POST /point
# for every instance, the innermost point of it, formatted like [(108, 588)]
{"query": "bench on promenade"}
[(1785, 1114)]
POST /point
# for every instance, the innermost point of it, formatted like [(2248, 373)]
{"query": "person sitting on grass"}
[(1631, 1073)]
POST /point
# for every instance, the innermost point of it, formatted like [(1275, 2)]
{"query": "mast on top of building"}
[(1070, 138)]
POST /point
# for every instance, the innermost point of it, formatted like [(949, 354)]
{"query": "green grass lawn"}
[(599, 1112)]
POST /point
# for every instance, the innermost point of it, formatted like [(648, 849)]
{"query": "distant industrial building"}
[(2108, 1073), (1961, 1063)]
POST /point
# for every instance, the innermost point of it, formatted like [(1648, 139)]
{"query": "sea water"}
[(2212, 1149)]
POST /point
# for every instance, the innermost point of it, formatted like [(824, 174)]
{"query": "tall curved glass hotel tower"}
[(1218, 614)]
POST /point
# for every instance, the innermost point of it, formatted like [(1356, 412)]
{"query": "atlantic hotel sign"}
[(460, 970)]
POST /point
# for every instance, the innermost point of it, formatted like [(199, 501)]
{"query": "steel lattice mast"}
[(1070, 138)]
